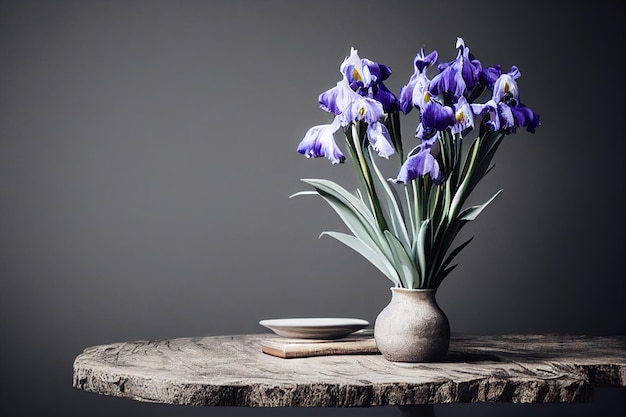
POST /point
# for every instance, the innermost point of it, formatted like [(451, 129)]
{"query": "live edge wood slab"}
[(233, 371)]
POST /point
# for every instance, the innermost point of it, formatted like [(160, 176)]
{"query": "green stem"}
[(411, 225), (366, 177)]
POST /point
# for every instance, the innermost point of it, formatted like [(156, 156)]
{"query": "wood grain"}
[(233, 371), (303, 348)]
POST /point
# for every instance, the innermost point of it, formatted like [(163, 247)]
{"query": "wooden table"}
[(233, 371)]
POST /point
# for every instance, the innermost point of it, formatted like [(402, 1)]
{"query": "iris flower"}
[(457, 77), (360, 96), (413, 94), (505, 111), (365, 77)]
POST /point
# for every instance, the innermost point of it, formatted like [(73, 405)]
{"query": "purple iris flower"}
[(459, 76), (505, 111), (319, 141), (350, 103), (342, 101), (412, 94), (419, 164), (366, 77)]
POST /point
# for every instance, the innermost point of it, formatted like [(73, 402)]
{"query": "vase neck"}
[(417, 294)]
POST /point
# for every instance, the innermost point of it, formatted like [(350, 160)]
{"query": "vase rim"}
[(413, 289)]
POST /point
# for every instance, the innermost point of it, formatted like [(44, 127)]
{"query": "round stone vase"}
[(412, 328)]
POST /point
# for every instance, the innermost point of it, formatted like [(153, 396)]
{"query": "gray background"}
[(147, 152)]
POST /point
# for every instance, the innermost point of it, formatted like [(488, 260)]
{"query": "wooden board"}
[(361, 343)]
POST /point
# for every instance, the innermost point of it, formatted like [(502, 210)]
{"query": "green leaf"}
[(460, 196), (394, 208), (402, 261), (489, 146), (454, 253), (471, 213), (354, 213), (375, 257), (444, 274), (304, 193), (363, 230), (420, 249), (342, 195)]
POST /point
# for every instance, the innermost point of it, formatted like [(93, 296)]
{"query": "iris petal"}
[(507, 122), (458, 77), (464, 117), (319, 141), (385, 97), (505, 87), (378, 72), (406, 95), (488, 76), (438, 116), (490, 108), (379, 138), (423, 62), (524, 116), (362, 109), (418, 165), (352, 69), (337, 98)]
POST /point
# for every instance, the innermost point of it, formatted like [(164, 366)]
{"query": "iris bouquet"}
[(406, 226)]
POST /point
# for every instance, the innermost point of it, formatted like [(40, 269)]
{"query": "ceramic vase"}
[(412, 328)]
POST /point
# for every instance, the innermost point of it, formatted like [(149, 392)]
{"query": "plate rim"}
[(348, 322)]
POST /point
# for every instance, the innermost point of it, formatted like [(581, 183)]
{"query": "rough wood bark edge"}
[(232, 371)]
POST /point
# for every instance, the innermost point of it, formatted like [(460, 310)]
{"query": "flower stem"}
[(356, 147)]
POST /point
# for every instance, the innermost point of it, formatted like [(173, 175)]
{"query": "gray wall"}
[(147, 152)]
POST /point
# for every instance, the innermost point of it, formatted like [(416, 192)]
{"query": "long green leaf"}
[(454, 253), (402, 260), (420, 250), (300, 193), (471, 213), (444, 274), (488, 149), (368, 233), (459, 196), (394, 207), (376, 258), (355, 205), (342, 195)]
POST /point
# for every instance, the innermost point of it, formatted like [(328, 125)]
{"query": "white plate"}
[(315, 328)]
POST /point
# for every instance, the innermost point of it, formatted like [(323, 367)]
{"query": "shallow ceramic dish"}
[(315, 328)]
